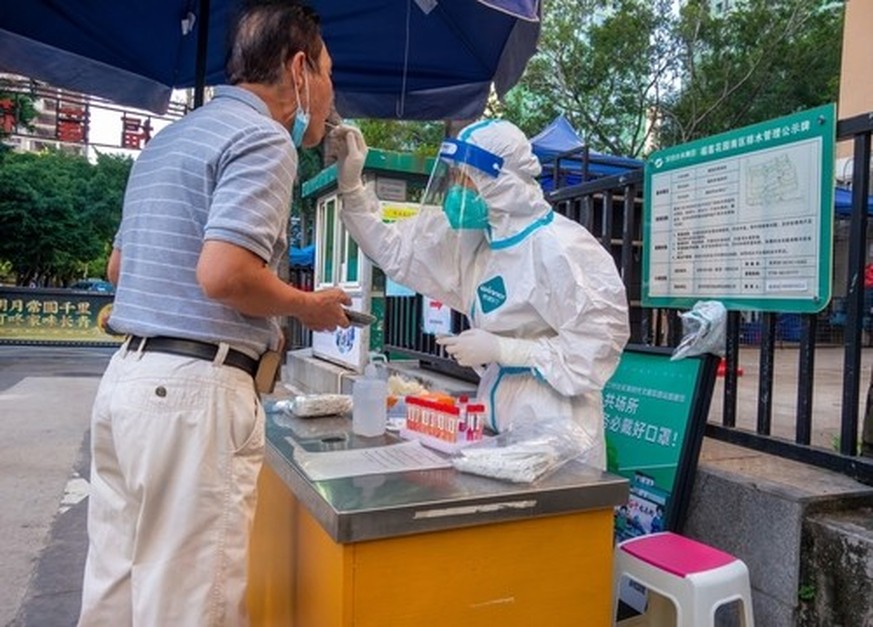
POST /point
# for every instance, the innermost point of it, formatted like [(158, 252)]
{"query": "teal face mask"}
[(301, 117), (465, 209), (301, 122)]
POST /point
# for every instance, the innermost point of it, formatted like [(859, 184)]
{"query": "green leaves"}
[(602, 64), (58, 213), (421, 138), (761, 61), (17, 104), (635, 75)]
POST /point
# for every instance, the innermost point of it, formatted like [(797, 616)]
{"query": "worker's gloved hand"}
[(352, 152), (475, 347)]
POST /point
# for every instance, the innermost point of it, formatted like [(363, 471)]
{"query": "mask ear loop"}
[(306, 89)]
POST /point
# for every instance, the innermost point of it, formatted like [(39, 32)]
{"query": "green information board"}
[(744, 217), (654, 417), (55, 316)]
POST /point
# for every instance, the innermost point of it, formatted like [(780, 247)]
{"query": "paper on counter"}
[(368, 461)]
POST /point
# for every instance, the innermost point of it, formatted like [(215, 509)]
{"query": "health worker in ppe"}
[(547, 308)]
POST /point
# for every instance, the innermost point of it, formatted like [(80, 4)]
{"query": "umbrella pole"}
[(202, 41)]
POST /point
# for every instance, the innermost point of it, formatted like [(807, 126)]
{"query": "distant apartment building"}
[(61, 120), (75, 123)]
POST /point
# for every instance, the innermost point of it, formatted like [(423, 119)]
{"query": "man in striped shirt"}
[(177, 431)]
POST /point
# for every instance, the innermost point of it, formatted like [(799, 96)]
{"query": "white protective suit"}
[(540, 283)]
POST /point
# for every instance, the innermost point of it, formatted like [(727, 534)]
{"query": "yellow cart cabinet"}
[(431, 548)]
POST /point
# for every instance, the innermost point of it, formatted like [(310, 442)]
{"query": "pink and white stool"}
[(695, 577)]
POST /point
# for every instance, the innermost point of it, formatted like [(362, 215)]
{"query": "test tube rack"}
[(443, 425)]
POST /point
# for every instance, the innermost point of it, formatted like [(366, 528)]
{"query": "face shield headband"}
[(451, 186)]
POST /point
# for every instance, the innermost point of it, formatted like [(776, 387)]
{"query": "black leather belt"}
[(193, 348)]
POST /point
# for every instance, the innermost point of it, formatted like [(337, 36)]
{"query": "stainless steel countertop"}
[(369, 507)]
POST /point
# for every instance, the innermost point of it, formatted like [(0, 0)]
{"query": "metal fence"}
[(297, 335), (611, 208)]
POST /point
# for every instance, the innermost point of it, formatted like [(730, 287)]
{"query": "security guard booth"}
[(399, 180), (423, 546)]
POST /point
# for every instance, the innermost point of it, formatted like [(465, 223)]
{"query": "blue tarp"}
[(843, 202), (302, 257), (409, 59), (559, 137)]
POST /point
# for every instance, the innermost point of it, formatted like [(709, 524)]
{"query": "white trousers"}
[(176, 448)]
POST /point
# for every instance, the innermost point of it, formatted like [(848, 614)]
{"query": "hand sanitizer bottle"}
[(369, 397)]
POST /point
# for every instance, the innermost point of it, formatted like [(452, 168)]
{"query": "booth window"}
[(348, 258), (325, 225), (338, 258)]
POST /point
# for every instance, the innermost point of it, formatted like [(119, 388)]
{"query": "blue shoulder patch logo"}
[(492, 294)]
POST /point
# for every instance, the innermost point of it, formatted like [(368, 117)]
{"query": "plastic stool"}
[(697, 578)]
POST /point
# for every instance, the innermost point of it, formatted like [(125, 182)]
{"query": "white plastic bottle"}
[(369, 397)]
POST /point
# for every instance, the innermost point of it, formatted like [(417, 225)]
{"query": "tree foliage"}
[(633, 75), (58, 214), (604, 65), (764, 60), (422, 138)]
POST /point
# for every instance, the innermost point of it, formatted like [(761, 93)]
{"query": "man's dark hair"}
[(265, 35)]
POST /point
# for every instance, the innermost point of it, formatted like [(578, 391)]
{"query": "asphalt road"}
[(45, 404)]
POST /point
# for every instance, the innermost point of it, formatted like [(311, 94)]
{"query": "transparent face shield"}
[(452, 188)]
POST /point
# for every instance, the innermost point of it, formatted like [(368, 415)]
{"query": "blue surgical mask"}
[(301, 117), (465, 209), (301, 122)]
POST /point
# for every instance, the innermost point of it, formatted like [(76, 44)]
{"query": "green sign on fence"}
[(654, 416), (744, 217)]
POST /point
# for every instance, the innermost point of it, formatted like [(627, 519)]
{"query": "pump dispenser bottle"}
[(369, 397)]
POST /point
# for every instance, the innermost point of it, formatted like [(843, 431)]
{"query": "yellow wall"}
[(856, 87)]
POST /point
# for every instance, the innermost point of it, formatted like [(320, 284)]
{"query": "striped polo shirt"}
[(223, 172)]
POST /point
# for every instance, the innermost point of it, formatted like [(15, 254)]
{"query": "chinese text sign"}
[(744, 217)]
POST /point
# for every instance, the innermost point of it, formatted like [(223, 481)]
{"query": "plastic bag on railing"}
[(703, 330), (527, 452)]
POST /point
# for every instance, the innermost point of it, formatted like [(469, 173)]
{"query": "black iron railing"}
[(297, 335), (611, 209)]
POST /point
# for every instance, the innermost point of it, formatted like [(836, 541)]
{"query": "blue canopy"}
[(559, 136), (302, 257), (553, 143), (843, 203), (405, 59)]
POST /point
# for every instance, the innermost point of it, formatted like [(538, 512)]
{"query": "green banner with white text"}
[(647, 406)]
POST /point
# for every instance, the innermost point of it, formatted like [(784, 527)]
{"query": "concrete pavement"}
[(45, 404), (827, 397)]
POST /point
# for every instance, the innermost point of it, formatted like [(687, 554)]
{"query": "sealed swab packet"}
[(313, 405), (527, 452)]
